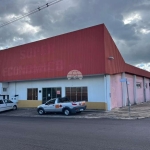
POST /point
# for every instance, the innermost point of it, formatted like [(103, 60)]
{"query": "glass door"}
[(50, 93)]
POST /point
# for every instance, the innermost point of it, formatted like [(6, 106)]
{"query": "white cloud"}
[(134, 17), (15, 39), (25, 9), (11, 17), (145, 31), (144, 66), (27, 28)]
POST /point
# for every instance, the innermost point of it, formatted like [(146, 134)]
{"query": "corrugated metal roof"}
[(118, 65), (87, 50), (81, 50)]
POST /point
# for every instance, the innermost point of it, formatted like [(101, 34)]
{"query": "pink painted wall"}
[(147, 90), (116, 91), (130, 88), (139, 91)]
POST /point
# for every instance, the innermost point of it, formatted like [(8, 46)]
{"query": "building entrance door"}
[(49, 93)]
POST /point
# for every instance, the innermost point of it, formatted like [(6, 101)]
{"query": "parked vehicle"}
[(7, 105), (63, 105)]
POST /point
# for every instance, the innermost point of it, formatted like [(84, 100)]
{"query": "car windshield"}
[(5, 100), (52, 101), (1, 102)]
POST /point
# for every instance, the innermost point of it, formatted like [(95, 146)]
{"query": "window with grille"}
[(32, 94), (4, 89), (77, 93), (138, 85)]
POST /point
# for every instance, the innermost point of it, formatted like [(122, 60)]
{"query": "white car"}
[(63, 105), (7, 105)]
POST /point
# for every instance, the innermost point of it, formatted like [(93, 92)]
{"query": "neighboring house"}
[(39, 71)]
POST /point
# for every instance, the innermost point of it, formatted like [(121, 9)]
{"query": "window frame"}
[(4, 89), (32, 93), (77, 92), (51, 93), (138, 85), (146, 85)]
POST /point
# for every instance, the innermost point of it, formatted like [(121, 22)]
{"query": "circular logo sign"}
[(74, 74)]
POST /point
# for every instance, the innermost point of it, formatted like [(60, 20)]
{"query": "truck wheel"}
[(41, 111), (66, 112), (14, 107)]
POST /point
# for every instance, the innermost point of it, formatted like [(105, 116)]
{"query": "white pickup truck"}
[(63, 105)]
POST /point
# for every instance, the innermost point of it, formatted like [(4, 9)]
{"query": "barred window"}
[(32, 94), (77, 93), (4, 89)]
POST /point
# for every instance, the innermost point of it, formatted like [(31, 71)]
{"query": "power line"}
[(31, 12)]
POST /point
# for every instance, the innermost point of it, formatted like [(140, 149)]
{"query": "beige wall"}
[(29, 103), (35, 103), (96, 105)]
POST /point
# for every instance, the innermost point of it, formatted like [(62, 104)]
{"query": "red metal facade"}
[(87, 50), (117, 64), (81, 50), (134, 70)]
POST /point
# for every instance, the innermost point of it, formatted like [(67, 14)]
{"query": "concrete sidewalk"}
[(139, 111)]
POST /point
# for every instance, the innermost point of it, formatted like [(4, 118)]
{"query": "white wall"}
[(95, 85), (3, 85), (0, 88), (1, 91)]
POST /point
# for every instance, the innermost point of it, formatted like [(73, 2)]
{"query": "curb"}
[(87, 114), (77, 117)]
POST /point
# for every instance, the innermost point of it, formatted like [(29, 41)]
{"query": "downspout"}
[(123, 91), (15, 88), (105, 81), (144, 88), (107, 91), (135, 97)]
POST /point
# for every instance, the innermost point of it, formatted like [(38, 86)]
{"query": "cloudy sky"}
[(128, 21)]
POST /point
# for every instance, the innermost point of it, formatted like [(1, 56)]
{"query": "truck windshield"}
[(52, 101)]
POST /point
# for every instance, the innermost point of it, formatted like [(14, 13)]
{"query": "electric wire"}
[(31, 12)]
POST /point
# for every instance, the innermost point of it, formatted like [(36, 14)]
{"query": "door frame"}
[(51, 93), (34, 95)]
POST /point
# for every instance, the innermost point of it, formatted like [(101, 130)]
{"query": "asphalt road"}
[(26, 133)]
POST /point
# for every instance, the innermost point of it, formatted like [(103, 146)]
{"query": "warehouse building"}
[(82, 65)]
